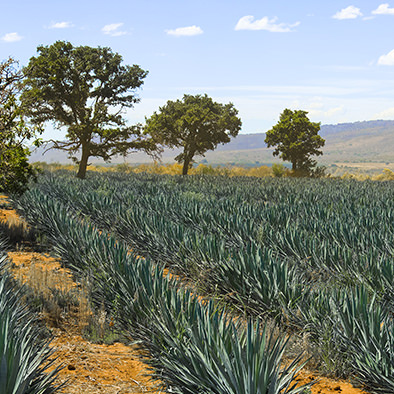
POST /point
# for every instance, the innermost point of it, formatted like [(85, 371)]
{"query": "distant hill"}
[(357, 127), (358, 142)]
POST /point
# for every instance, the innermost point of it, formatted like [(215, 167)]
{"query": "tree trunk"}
[(84, 162), (294, 165), (186, 164), (188, 157)]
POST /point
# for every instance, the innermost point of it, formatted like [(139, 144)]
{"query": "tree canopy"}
[(85, 90), (15, 170), (296, 139), (195, 123)]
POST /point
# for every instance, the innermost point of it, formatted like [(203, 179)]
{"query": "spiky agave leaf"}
[(203, 350)]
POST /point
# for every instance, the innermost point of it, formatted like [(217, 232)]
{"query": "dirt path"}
[(88, 367), (326, 385), (92, 368)]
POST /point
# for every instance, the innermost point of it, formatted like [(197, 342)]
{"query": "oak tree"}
[(196, 124), (296, 139), (85, 90)]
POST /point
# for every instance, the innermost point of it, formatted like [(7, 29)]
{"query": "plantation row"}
[(194, 347), (316, 255)]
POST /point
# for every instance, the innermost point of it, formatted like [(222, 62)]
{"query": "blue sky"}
[(333, 59)]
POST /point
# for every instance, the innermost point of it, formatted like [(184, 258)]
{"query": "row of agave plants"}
[(331, 224), (193, 346), (317, 255), (25, 355)]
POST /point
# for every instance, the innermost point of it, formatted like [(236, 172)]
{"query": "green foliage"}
[(295, 139), (85, 90), (15, 170), (196, 124), (278, 170), (368, 331)]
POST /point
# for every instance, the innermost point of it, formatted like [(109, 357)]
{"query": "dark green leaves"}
[(195, 123), (15, 170), (85, 90), (295, 139)]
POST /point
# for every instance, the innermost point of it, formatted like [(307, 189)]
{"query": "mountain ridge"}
[(365, 141)]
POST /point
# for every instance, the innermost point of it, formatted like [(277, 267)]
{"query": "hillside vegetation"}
[(359, 142)]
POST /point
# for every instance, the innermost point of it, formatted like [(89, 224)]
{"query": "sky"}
[(333, 59)]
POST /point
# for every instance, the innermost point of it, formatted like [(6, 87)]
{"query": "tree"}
[(15, 170), (296, 139), (85, 90), (196, 123)]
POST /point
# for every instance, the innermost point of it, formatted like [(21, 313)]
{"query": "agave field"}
[(314, 256)]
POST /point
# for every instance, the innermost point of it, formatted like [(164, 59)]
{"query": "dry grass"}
[(59, 300), (359, 171), (18, 233)]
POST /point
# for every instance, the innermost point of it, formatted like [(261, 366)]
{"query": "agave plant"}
[(271, 245), (368, 332), (24, 358), (203, 350)]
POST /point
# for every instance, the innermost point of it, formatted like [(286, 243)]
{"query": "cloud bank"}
[(350, 12), (387, 60), (248, 23), (113, 30), (60, 25), (11, 37), (185, 31), (384, 9)]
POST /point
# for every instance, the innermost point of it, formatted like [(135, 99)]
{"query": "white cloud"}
[(11, 37), (384, 9), (60, 25), (113, 30), (248, 23), (318, 107), (185, 31), (338, 101), (385, 114), (350, 12), (316, 103), (284, 91), (387, 60), (326, 113)]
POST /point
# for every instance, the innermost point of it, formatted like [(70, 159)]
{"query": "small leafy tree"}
[(278, 170), (196, 124), (15, 170), (85, 90), (296, 139)]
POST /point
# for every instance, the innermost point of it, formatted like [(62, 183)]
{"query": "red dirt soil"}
[(106, 369)]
